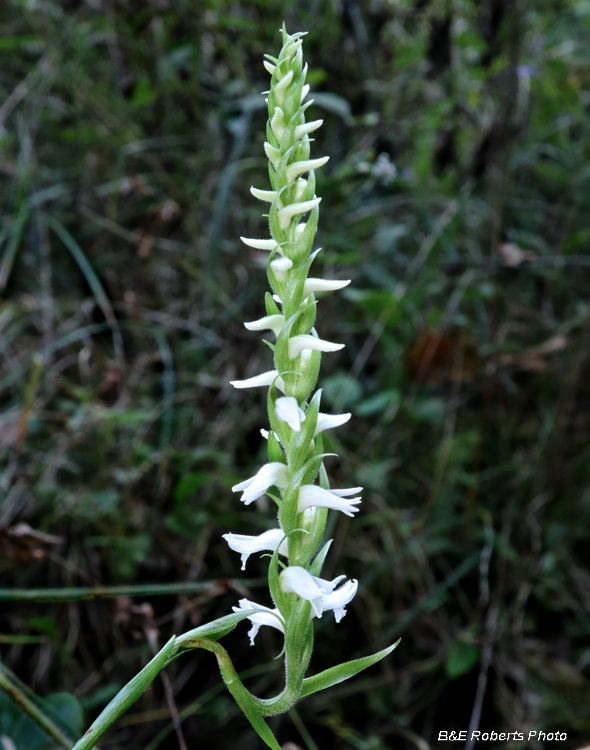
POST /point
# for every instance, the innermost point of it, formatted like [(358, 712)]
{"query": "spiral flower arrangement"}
[(295, 436)]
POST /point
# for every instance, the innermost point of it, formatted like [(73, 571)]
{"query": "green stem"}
[(110, 592), (245, 700)]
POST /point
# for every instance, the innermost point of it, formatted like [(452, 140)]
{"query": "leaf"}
[(68, 710), (461, 658), (342, 672)]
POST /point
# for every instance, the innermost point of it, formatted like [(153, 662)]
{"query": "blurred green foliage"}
[(457, 198)]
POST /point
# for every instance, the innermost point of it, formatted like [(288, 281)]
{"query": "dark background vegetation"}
[(457, 198)]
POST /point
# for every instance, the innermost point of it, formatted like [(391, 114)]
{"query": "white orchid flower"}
[(287, 409), (272, 323), (312, 496), (267, 196), (260, 244), (322, 594), (329, 421), (288, 212), (323, 285), (273, 154), (265, 378), (306, 128), (306, 341), (297, 580), (299, 167), (274, 473), (248, 545), (269, 616)]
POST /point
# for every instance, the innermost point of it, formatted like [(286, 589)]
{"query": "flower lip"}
[(338, 599)]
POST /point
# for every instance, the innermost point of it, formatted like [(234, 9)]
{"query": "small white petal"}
[(279, 301), (299, 167), (299, 230), (264, 433), (329, 421), (265, 378), (269, 66), (268, 616), (259, 244), (274, 155), (311, 496), (347, 492), (280, 89), (287, 409), (247, 545), (282, 264), (287, 213), (268, 323), (337, 600), (296, 580), (301, 185), (304, 91), (328, 586), (305, 341), (278, 123), (264, 195), (307, 127), (280, 267), (323, 285), (274, 473), (305, 358)]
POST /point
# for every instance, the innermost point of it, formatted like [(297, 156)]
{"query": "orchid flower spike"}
[(294, 439)]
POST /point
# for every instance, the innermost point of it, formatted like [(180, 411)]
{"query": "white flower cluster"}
[(295, 439)]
